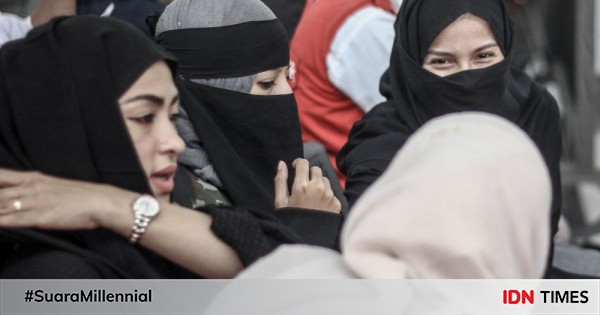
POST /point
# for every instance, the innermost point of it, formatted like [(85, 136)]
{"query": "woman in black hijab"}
[(93, 100), (240, 119), (450, 56)]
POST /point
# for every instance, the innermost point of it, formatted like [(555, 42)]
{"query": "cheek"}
[(143, 145), (283, 88), (145, 152), (438, 72), (257, 90), (497, 59)]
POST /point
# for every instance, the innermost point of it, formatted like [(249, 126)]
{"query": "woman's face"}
[(149, 108), (466, 44), (272, 82)]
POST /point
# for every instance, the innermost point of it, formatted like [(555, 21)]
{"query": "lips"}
[(164, 180)]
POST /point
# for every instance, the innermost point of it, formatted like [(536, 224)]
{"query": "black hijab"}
[(59, 115), (415, 95), (244, 135)]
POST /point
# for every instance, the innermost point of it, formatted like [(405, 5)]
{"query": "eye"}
[(438, 61), (266, 85), (486, 55), (144, 119), (173, 117)]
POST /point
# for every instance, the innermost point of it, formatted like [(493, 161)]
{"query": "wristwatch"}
[(145, 208)]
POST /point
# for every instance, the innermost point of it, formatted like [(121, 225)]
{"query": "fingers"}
[(333, 203), (281, 187), (10, 178), (302, 176), (316, 174), (12, 205), (17, 220), (327, 183), (11, 199), (10, 193), (335, 206)]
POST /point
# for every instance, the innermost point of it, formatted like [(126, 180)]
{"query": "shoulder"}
[(535, 100), (13, 27), (367, 23)]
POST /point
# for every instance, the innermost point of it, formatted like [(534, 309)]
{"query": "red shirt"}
[(326, 114)]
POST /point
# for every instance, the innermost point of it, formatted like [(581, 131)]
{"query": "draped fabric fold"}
[(227, 58), (245, 136), (415, 95), (233, 130), (59, 115)]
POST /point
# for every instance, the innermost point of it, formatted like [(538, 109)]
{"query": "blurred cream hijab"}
[(468, 196)]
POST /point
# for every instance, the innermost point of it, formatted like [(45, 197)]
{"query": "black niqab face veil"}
[(59, 114), (424, 95), (244, 135), (416, 95)]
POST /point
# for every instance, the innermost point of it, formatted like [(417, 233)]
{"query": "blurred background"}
[(558, 44)]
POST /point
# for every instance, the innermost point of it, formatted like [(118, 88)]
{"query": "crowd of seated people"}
[(182, 156)]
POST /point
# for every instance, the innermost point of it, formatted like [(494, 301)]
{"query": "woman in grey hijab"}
[(239, 117)]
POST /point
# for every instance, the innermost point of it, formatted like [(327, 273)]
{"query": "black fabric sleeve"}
[(31, 254), (361, 177), (251, 233), (554, 149), (315, 227)]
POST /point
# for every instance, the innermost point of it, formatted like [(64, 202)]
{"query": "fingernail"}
[(280, 166)]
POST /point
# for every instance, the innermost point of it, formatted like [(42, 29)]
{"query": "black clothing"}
[(132, 11), (244, 135), (415, 95), (59, 115), (223, 52), (288, 12)]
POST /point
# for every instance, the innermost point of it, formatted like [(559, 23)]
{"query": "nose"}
[(465, 65), (170, 141)]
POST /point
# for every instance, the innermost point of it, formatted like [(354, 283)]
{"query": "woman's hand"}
[(34, 200), (311, 190)]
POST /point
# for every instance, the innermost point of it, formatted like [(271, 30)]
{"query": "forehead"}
[(157, 80), (466, 29)]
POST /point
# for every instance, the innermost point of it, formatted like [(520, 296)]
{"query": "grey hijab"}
[(182, 14)]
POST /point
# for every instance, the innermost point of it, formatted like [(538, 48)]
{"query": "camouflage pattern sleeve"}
[(207, 194)]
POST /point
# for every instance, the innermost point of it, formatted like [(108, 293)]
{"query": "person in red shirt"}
[(339, 52)]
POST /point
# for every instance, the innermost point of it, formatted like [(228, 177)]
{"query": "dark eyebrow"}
[(446, 54), (152, 99), (484, 47), (439, 53)]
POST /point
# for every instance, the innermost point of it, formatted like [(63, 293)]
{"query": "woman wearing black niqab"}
[(239, 123), (92, 101), (416, 94)]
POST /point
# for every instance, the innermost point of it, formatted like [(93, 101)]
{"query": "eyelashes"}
[(149, 118), (483, 57), (266, 85), (144, 119)]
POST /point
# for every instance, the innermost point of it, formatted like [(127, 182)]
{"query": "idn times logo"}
[(544, 296)]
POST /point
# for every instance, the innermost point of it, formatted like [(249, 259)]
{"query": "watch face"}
[(146, 205)]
